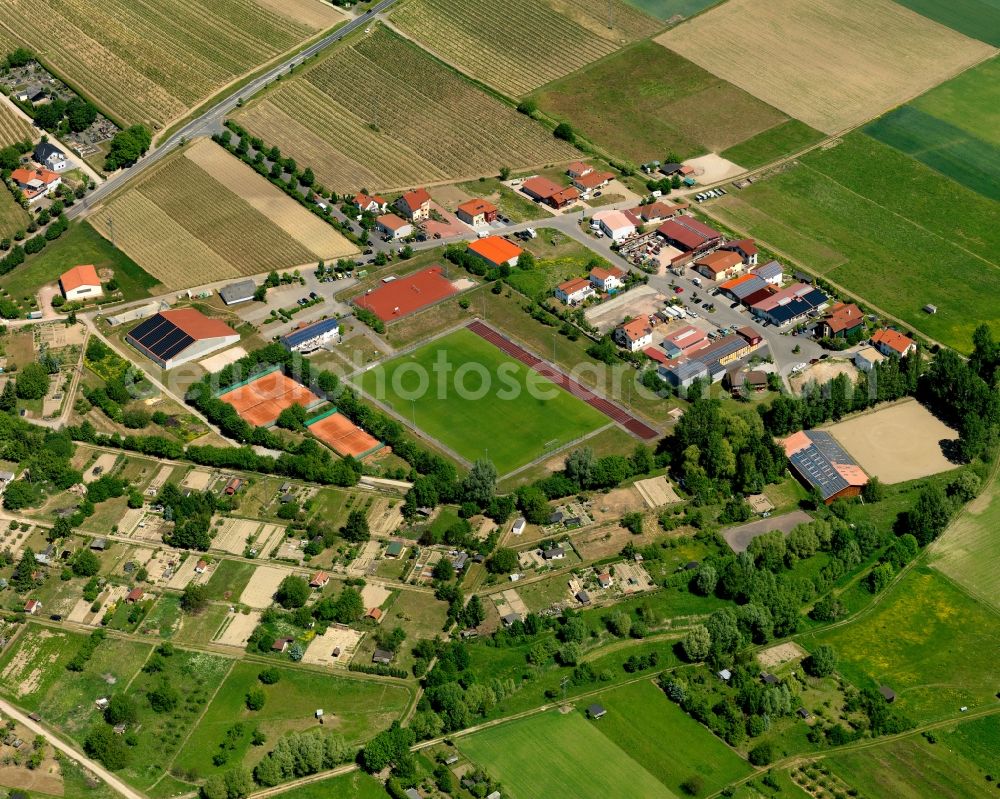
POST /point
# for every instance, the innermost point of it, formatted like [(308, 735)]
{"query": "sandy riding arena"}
[(259, 592), (830, 63), (902, 442), (776, 655), (656, 491)]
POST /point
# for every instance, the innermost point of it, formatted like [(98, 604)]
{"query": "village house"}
[(592, 181), (841, 320), (577, 169), (495, 250), (80, 283), (772, 273), (133, 596), (393, 226), (574, 291), (477, 212), (719, 265), (382, 657), (867, 358), (319, 580), (32, 606), (891, 342), (657, 212), (200, 567), (615, 225), (745, 248), (634, 335), (370, 203), (50, 156), (607, 280), (36, 183), (415, 205), (549, 192)]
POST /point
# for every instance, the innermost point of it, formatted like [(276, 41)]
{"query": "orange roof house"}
[(635, 335), (35, 183), (841, 320), (578, 169), (719, 264), (476, 211), (496, 250), (369, 202), (550, 192), (415, 204), (80, 281), (892, 342), (319, 580), (592, 180)]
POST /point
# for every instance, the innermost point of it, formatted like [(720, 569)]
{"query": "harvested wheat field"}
[(215, 219), (13, 126), (403, 118), (898, 443), (830, 63), (152, 62), (520, 45)]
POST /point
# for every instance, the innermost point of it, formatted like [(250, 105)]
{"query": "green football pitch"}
[(477, 401)]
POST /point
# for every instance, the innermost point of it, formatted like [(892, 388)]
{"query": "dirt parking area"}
[(898, 443), (778, 655), (822, 372), (739, 538), (337, 638), (259, 592), (232, 536), (712, 168), (656, 492), (640, 301), (237, 628), (374, 595), (104, 464)]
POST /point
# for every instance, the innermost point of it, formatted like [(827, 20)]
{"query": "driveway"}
[(739, 538)]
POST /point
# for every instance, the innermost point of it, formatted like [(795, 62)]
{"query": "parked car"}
[(678, 290)]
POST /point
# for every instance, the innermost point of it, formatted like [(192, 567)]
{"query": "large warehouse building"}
[(177, 336)]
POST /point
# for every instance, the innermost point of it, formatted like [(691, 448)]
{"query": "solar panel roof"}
[(819, 471)]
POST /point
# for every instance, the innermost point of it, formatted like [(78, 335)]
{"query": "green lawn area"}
[(546, 275), (510, 203), (969, 549), (641, 720), (230, 577), (81, 244), (354, 708), (787, 137), (559, 757), (913, 768), (934, 242), (933, 644), (970, 101), (473, 415), (36, 663), (201, 628), (356, 785), (12, 216), (978, 19), (646, 100)]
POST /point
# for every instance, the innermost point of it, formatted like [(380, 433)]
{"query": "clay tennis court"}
[(405, 295), (342, 435), (260, 401)]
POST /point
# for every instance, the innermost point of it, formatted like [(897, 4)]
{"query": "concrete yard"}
[(739, 537)]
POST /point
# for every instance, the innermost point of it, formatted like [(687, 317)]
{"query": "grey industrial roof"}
[(769, 270), (747, 287), (812, 464), (238, 292)]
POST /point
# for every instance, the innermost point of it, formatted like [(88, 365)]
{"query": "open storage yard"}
[(517, 46), (898, 443), (215, 219), (152, 62), (403, 118), (477, 418), (899, 236), (830, 63)]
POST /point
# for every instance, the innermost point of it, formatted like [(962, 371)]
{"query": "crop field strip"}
[(13, 128), (146, 61), (207, 231), (430, 124), (520, 45), (12, 216), (830, 63), (979, 19)]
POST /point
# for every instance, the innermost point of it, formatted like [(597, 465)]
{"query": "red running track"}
[(609, 409)]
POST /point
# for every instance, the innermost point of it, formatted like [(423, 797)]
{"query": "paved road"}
[(70, 752), (211, 121)]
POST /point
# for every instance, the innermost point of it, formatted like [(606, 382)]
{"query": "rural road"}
[(70, 752), (211, 121)]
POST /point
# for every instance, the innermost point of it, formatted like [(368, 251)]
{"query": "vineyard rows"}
[(403, 118), (150, 60), (520, 45), (13, 127)]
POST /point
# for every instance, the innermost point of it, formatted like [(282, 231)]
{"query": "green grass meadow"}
[(356, 785), (929, 641), (559, 757), (787, 137), (977, 19), (645, 100), (898, 235), (665, 9), (498, 416), (970, 101), (230, 577), (354, 708), (913, 768), (641, 720), (12, 216)]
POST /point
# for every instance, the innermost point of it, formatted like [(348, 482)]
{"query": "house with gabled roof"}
[(634, 335), (415, 204), (891, 342), (80, 283)]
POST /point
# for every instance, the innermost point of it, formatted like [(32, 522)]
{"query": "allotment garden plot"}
[(214, 218), (402, 118), (152, 62), (518, 45), (496, 417), (830, 63)]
